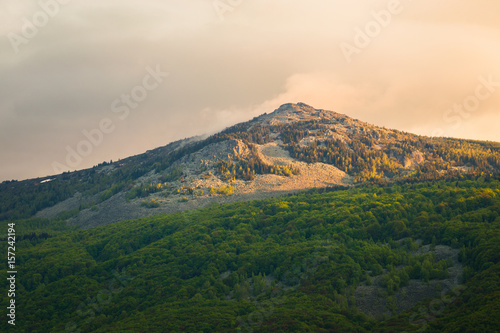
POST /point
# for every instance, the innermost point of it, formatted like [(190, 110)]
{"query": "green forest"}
[(288, 264), (372, 154), (368, 154)]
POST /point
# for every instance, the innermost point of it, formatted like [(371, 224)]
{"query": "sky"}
[(82, 82)]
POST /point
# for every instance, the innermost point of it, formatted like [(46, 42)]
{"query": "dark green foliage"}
[(247, 168), (374, 155), (143, 191), (289, 263)]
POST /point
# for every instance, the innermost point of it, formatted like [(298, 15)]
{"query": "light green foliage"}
[(226, 190), (295, 260)]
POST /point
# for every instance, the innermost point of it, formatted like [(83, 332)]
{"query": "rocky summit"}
[(296, 147)]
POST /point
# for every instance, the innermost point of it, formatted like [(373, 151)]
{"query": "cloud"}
[(263, 54)]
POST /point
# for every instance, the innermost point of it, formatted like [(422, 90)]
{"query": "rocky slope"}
[(294, 148)]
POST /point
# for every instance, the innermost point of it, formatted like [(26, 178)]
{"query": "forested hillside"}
[(294, 263), (197, 168)]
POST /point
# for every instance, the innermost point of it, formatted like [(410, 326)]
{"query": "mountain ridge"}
[(296, 147)]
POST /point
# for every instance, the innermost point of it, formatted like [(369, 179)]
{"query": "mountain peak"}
[(296, 147), (296, 106), (293, 112)]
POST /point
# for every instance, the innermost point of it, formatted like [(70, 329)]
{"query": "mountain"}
[(296, 147), (401, 234)]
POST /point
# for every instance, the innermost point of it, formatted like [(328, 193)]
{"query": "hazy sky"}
[(97, 69)]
